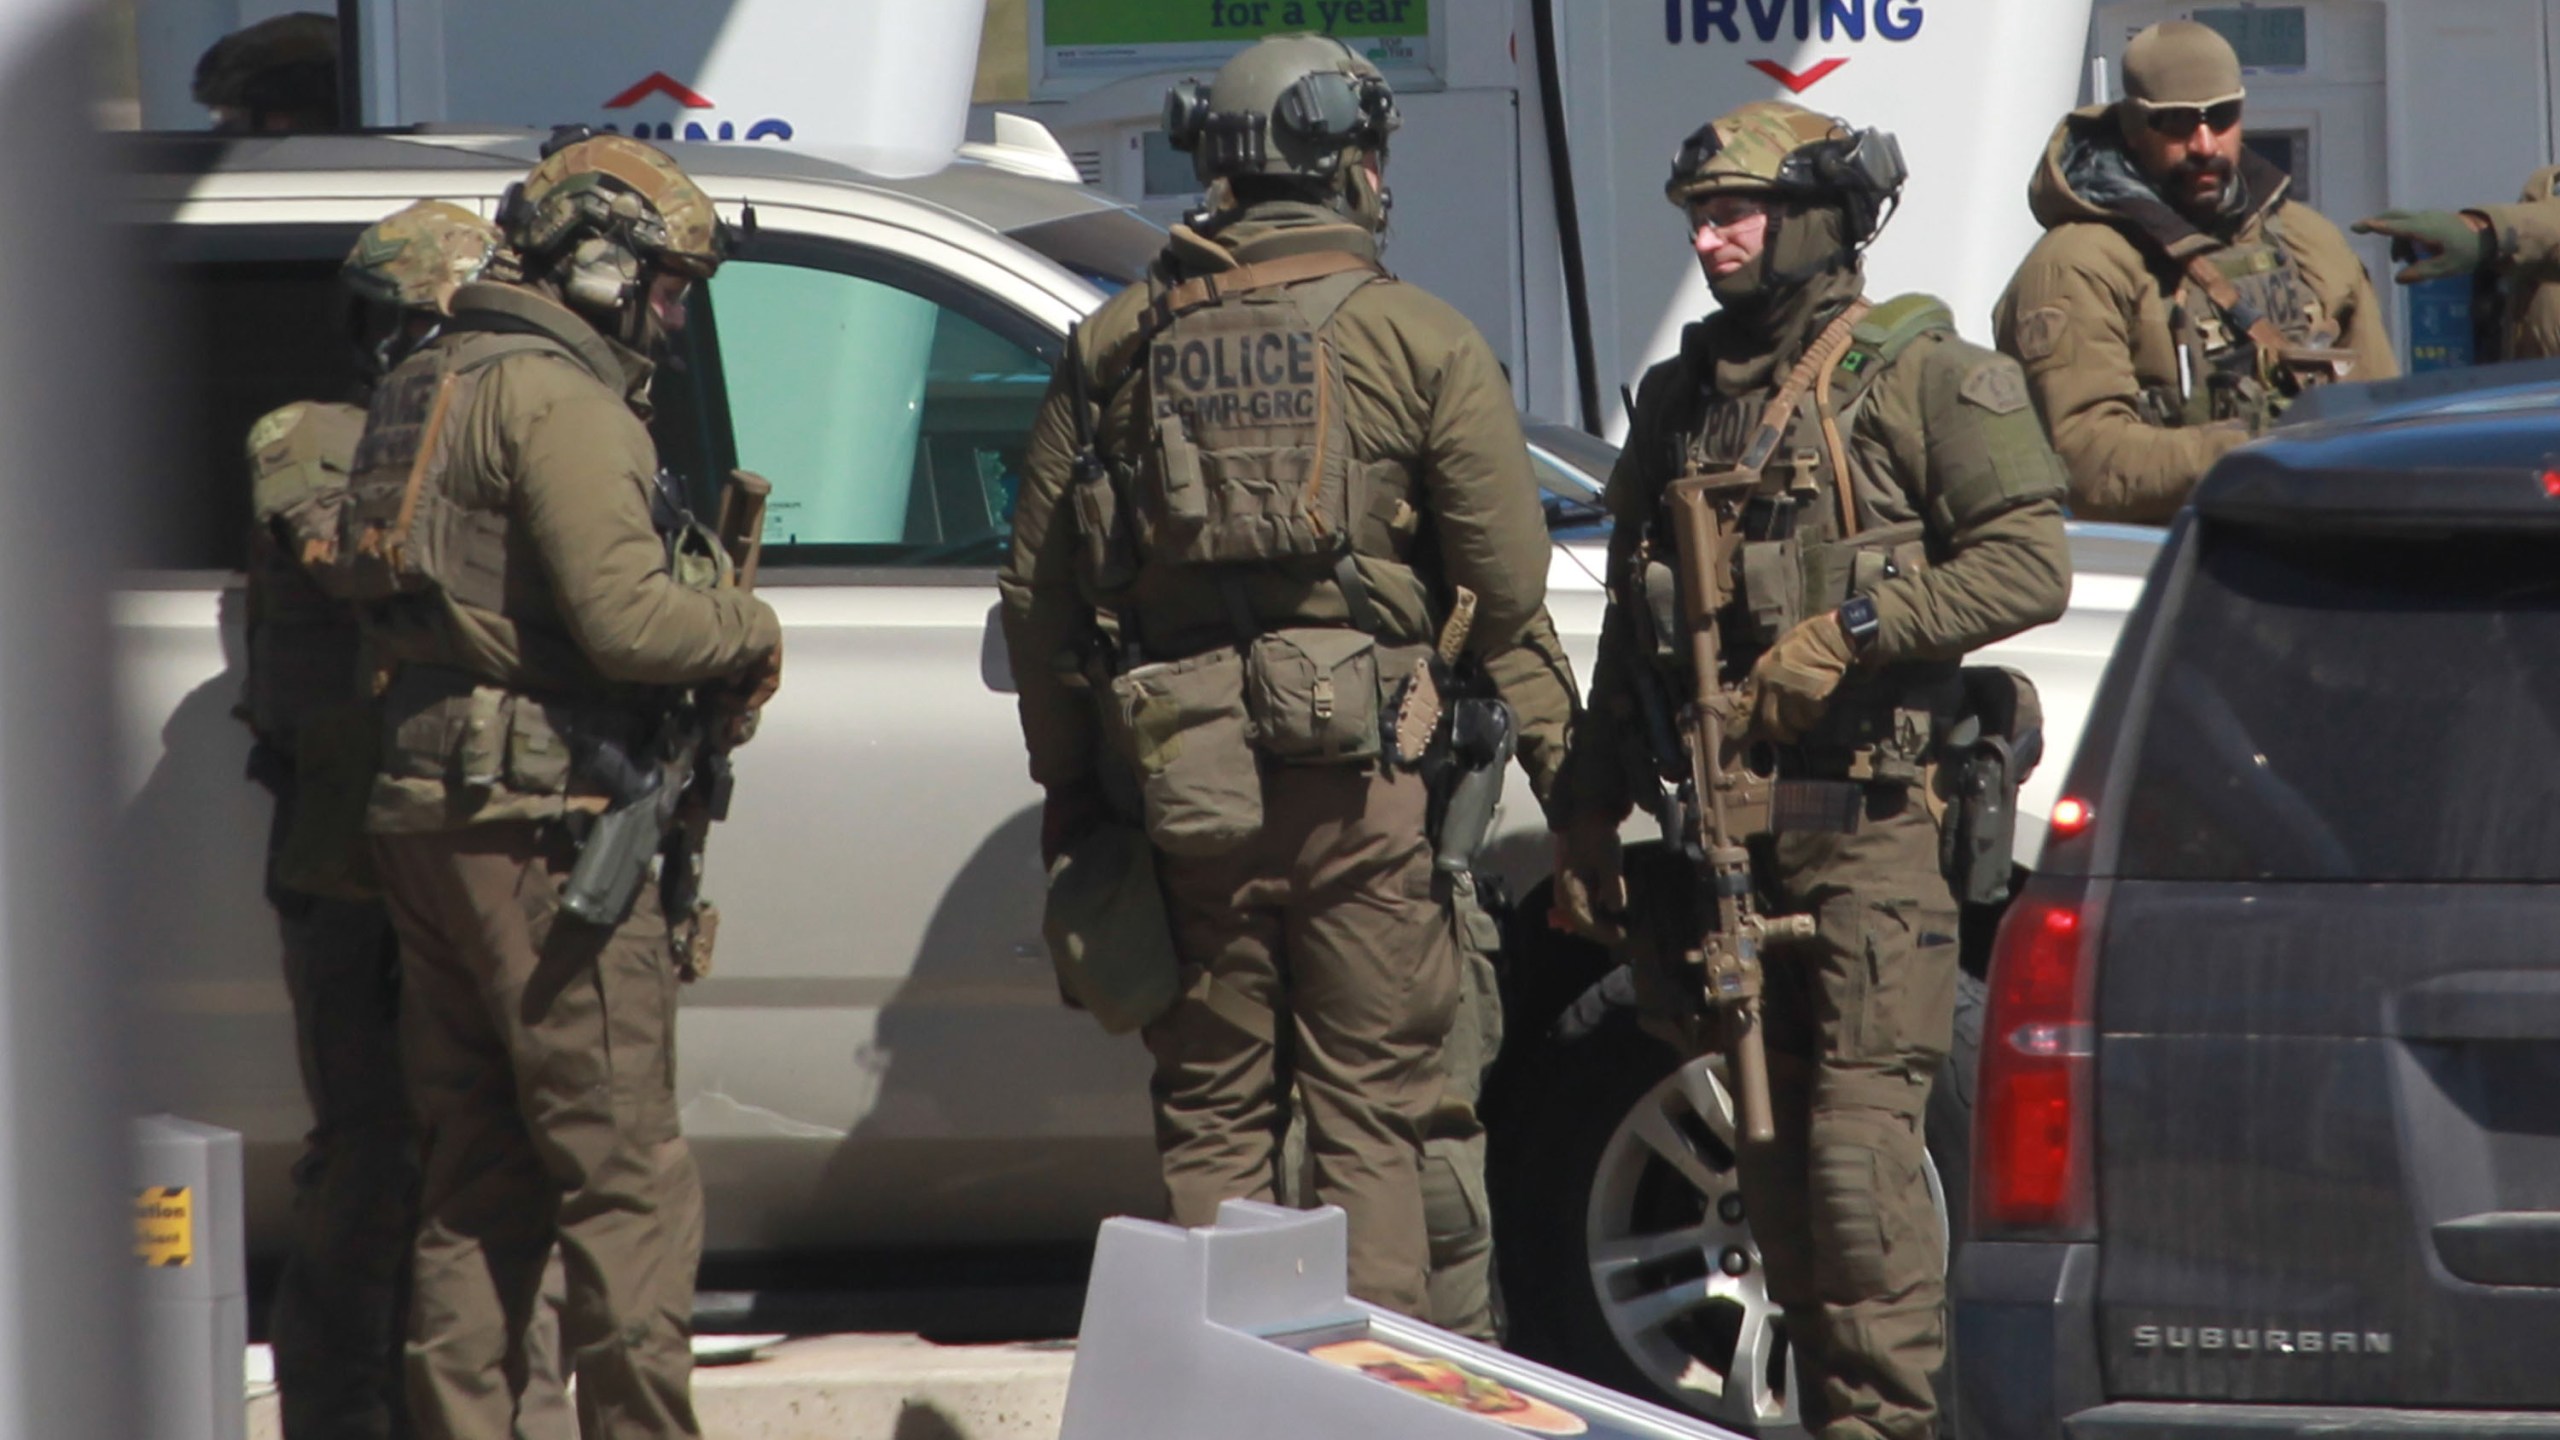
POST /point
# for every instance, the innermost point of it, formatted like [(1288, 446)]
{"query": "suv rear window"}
[(2355, 708)]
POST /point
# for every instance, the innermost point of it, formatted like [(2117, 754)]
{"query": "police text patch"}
[(1253, 377)]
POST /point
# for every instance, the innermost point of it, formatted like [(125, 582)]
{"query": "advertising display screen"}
[(1083, 44)]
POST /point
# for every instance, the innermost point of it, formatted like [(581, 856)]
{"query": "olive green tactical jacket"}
[(1422, 388), (1942, 435), (592, 616), (2529, 252), (2088, 315)]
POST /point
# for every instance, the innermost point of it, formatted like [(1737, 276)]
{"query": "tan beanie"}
[(2179, 62)]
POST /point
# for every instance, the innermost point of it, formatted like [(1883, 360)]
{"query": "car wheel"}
[(1626, 1254)]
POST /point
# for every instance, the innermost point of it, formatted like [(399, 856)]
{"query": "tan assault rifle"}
[(693, 923), (1729, 801)]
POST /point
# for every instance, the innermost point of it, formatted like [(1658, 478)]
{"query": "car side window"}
[(890, 418)]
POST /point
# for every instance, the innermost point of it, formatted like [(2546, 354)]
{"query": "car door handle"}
[(2502, 1247), (2483, 1005)]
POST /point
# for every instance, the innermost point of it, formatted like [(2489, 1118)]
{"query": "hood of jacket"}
[(2087, 175), (1266, 231)]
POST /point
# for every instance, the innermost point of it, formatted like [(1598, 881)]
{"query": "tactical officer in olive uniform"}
[(2515, 246), (1253, 492), (1908, 511), (541, 654), (2180, 297), (336, 1325), (274, 77)]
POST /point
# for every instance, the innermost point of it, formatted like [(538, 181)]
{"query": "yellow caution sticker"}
[(164, 1226)]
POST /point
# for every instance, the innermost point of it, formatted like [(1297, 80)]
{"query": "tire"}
[(1619, 1220)]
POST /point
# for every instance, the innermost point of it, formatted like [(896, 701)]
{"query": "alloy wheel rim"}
[(1664, 1231)]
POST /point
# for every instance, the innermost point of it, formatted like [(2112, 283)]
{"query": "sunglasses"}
[(1724, 212), (2178, 120)]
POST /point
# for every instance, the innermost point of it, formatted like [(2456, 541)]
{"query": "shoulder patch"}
[(2040, 332), (274, 426), (1997, 386)]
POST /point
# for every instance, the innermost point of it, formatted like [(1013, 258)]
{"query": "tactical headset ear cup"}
[(512, 214), (1186, 113), (600, 275)]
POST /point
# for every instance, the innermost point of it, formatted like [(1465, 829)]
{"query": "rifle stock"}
[(1731, 800)]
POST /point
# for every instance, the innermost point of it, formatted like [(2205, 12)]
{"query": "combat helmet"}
[(595, 214), (1290, 105), (284, 65), (1774, 147), (417, 256)]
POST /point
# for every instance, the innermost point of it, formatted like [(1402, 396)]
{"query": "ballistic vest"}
[(2240, 311), (1247, 454), (403, 530), (1807, 540)]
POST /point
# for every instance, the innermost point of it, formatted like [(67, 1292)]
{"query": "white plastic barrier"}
[(194, 1286), (1244, 1331)]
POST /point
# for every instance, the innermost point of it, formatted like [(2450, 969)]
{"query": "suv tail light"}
[(2032, 1176)]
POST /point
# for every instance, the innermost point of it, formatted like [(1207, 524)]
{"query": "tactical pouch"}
[(1107, 551), (1986, 756), (1181, 726), (1772, 588), (1313, 695), (1109, 936)]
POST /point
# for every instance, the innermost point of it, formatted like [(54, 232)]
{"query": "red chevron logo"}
[(659, 82), (1798, 84)]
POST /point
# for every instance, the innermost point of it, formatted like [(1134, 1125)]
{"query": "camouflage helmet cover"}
[(1748, 149), (417, 256), (622, 190), (1291, 105), (285, 62)]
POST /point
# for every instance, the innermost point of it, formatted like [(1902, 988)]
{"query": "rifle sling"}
[(2226, 298), (1812, 372)]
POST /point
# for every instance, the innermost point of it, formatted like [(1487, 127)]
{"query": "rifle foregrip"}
[(1751, 1077)]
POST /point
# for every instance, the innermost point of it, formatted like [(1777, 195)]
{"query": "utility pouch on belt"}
[(1107, 930), (1313, 695), (1181, 726), (1987, 755)]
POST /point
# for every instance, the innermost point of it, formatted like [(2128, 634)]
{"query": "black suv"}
[(2268, 1113)]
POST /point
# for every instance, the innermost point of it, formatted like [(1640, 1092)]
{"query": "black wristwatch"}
[(1857, 617)]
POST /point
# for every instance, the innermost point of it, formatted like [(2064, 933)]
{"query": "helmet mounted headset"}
[(1859, 171), (1333, 110), (601, 215)]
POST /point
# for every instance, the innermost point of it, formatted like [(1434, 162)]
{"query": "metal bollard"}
[(194, 1290)]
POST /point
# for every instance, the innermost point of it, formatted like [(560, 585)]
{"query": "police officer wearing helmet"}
[(2180, 296), (1254, 491), (539, 645), (1907, 510), (335, 1326)]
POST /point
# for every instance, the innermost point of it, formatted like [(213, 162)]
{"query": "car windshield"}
[(2355, 708)]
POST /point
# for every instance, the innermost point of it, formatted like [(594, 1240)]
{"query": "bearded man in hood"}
[(2180, 297)]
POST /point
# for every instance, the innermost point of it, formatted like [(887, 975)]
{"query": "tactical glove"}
[(738, 711), (1793, 681), (1591, 881), (2431, 244)]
